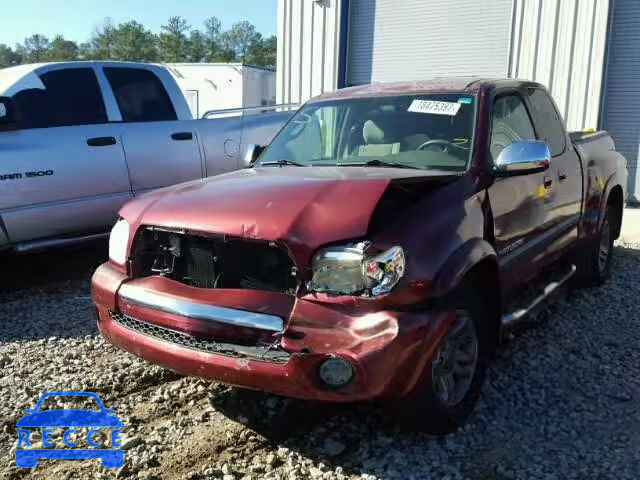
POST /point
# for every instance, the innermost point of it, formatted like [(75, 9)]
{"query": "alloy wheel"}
[(604, 249), (455, 361)]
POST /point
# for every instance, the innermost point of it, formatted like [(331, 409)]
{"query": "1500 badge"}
[(18, 176)]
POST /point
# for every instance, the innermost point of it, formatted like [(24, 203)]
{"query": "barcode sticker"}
[(434, 107)]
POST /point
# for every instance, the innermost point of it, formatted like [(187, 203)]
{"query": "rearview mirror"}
[(250, 154), (7, 111), (522, 158)]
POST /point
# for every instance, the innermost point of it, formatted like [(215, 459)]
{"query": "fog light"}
[(336, 372)]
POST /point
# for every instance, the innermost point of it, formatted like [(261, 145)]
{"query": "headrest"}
[(372, 133)]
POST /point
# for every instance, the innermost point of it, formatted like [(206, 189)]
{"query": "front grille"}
[(267, 353), (215, 261)]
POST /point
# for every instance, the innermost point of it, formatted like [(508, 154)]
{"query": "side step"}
[(511, 319)]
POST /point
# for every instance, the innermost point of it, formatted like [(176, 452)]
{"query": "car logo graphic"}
[(69, 418)]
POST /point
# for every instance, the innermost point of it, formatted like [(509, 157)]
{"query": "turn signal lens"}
[(118, 242)]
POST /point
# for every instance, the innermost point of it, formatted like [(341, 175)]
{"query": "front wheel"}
[(451, 384)]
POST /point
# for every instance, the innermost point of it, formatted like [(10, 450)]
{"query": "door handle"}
[(182, 136), (547, 182), (562, 176), (101, 141)]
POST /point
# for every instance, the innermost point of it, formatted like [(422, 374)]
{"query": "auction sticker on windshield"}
[(435, 107)]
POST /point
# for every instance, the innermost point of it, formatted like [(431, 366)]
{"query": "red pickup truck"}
[(376, 250)]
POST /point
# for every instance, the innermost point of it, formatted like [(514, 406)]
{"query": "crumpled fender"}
[(461, 262)]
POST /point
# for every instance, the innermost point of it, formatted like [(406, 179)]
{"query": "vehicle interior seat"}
[(377, 141)]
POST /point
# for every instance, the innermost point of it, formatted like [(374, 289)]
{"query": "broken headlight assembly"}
[(347, 270), (118, 242)]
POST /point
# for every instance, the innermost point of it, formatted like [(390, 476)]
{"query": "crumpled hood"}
[(304, 207)]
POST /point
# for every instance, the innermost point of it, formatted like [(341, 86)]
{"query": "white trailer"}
[(219, 86)]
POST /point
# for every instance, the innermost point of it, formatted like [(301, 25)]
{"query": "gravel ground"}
[(562, 400)]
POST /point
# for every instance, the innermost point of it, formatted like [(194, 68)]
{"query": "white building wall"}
[(308, 38), (561, 44), (218, 86)]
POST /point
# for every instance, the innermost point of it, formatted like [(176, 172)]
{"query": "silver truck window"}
[(140, 95), (71, 96)]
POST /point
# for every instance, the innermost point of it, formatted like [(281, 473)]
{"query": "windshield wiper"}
[(284, 161), (377, 163)]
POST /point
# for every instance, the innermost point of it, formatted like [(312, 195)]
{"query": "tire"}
[(593, 262), (427, 409)]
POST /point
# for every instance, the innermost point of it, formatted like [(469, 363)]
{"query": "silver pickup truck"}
[(79, 139)]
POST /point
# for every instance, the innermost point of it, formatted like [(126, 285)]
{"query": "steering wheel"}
[(444, 144)]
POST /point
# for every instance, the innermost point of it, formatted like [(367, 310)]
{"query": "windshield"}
[(413, 131)]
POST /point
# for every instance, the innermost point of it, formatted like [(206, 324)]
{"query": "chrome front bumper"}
[(143, 297)]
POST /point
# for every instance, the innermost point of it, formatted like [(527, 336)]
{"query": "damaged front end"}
[(313, 308), (205, 265), (213, 261)]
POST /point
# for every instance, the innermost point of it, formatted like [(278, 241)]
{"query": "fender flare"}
[(460, 262)]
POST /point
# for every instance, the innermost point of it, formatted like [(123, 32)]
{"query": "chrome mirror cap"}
[(523, 157), (249, 155)]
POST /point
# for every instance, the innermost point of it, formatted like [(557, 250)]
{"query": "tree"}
[(8, 57), (103, 40), (133, 43), (240, 37), (262, 51), (173, 40), (35, 48), (212, 31), (62, 50), (85, 51), (197, 50)]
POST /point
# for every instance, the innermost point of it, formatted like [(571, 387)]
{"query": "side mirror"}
[(250, 154), (522, 158), (7, 111)]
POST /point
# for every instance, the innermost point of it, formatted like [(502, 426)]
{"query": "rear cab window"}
[(550, 126), (140, 95)]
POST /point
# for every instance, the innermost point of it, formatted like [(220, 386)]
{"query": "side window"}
[(71, 96), (551, 127), (510, 122), (140, 95)]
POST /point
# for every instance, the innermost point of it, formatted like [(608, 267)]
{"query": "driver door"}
[(522, 206)]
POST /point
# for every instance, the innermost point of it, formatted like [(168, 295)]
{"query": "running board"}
[(511, 319)]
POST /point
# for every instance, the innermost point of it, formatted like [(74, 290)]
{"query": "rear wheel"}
[(452, 383), (594, 262)]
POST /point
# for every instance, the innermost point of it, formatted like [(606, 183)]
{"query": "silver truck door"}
[(62, 169), (160, 149)]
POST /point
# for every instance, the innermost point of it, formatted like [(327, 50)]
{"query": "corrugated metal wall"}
[(308, 39), (621, 111), (561, 43), (391, 40)]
